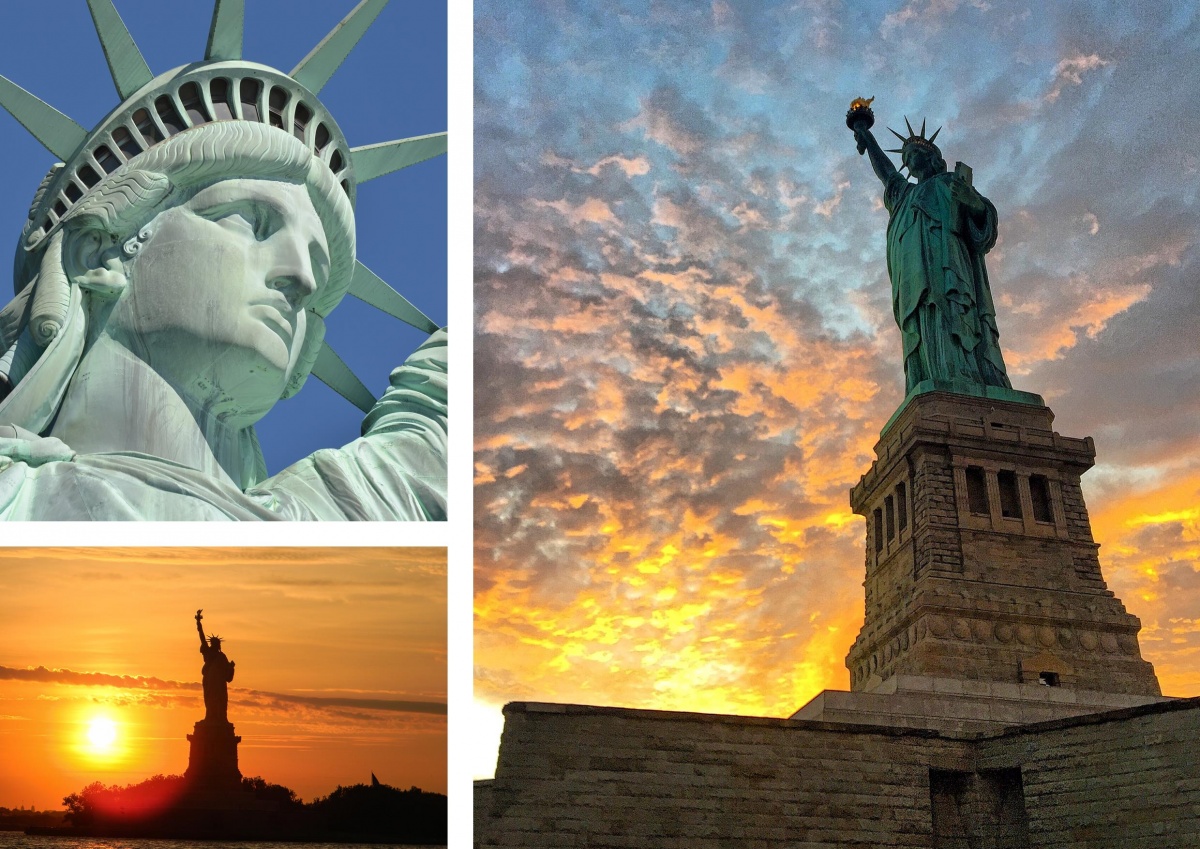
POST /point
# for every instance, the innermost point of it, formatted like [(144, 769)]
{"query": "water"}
[(17, 840)]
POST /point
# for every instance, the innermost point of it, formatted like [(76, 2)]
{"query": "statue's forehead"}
[(276, 192)]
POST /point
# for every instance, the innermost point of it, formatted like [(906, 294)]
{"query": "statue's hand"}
[(18, 445), (861, 134)]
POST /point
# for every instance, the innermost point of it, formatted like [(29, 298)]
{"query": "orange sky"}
[(364, 628), (685, 342)]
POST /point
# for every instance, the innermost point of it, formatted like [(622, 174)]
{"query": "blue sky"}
[(392, 86), (680, 263)]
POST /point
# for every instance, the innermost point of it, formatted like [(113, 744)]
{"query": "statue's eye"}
[(243, 216)]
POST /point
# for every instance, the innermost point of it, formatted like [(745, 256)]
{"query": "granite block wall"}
[(611, 778)]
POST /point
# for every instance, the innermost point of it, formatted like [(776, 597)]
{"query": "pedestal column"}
[(213, 762)]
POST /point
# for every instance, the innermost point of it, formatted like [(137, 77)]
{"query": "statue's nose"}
[(292, 270)]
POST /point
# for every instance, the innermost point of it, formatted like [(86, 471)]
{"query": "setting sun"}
[(102, 735)]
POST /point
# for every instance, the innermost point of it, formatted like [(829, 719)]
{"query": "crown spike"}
[(331, 370), (367, 286), (318, 66), (225, 36), (896, 134), (910, 129), (129, 70), (56, 132), (375, 160), (922, 128), (895, 150), (934, 136)]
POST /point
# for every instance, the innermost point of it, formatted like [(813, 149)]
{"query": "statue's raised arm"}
[(200, 630), (939, 229), (860, 119)]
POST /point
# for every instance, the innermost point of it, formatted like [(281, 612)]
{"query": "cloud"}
[(251, 697), (92, 679), (684, 338), (1070, 71)]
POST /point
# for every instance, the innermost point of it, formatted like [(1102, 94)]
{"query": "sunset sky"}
[(685, 349), (393, 85), (340, 653)]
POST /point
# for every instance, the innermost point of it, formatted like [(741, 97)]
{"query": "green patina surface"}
[(172, 284), (939, 230)]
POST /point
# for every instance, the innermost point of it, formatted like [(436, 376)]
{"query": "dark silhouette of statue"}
[(216, 675), (939, 229)]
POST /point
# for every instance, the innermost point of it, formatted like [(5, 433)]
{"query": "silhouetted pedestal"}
[(213, 762)]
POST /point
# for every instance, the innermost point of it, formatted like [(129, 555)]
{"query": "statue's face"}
[(919, 162), (216, 298)]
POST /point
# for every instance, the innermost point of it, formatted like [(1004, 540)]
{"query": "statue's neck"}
[(115, 402)]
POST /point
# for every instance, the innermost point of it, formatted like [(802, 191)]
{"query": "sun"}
[(101, 735)]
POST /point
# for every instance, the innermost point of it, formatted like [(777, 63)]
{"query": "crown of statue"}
[(222, 87), (915, 139)]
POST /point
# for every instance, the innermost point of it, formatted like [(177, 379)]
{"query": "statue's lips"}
[(278, 315)]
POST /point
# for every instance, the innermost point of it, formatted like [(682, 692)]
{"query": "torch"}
[(860, 116)]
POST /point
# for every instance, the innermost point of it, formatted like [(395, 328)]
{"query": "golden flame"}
[(859, 103)]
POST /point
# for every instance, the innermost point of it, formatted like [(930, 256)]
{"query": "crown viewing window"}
[(126, 142), (300, 120), (73, 192), (169, 115), (106, 159), (218, 93), (335, 161), (193, 104), (1039, 493), (901, 507), (1010, 498), (977, 499), (277, 101), (250, 91), (146, 126), (322, 137)]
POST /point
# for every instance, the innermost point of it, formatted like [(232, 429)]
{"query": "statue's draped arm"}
[(200, 630), (396, 470)]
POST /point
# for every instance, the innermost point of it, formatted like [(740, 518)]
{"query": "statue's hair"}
[(192, 160)]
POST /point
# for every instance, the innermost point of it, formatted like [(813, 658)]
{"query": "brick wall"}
[(1128, 778), (575, 776), (578, 776)]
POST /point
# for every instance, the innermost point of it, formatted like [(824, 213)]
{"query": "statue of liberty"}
[(172, 284), (939, 229), (215, 675)]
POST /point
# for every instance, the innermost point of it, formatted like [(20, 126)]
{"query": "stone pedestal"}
[(213, 762), (980, 563), (959, 708)]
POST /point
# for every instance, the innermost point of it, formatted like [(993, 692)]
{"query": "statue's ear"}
[(92, 261)]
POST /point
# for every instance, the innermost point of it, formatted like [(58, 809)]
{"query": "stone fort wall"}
[(580, 776)]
